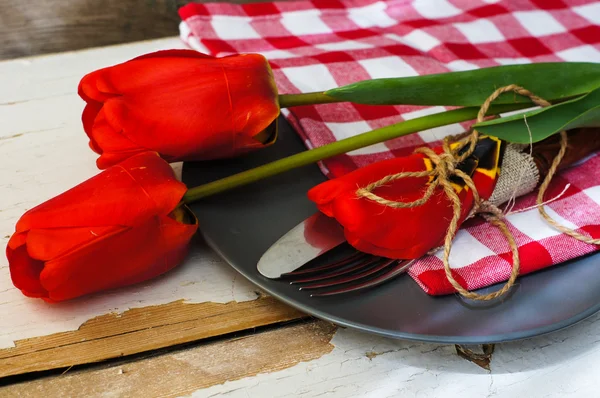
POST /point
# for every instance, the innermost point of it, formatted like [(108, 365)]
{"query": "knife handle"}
[(581, 143)]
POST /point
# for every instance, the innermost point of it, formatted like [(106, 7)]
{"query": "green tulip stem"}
[(342, 146), (289, 100)]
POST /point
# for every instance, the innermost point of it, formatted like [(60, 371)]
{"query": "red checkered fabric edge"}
[(320, 44)]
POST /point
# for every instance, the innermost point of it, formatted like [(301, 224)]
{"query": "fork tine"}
[(389, 274), (338, 271), (345, 261), (355, 271), (378, 266)]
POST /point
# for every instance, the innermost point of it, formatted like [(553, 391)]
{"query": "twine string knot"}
[(444, 167)]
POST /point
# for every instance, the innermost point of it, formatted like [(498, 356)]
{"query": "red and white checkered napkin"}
[(320, 44)]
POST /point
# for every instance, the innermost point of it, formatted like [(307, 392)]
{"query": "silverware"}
[(299, 255), (358, 271), (313, 237)]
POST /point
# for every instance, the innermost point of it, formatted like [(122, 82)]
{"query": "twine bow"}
[(444, 167)]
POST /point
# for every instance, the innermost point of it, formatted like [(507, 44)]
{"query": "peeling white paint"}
[(43, 152), (203, 277), (562, 364)]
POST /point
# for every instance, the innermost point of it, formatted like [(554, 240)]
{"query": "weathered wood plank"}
[(298, 361), (40, 26), (139, 330), (183, 372)]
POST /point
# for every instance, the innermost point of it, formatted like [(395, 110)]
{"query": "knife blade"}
[(311, 238)]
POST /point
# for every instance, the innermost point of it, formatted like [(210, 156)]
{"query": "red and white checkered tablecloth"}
[(320, 44)]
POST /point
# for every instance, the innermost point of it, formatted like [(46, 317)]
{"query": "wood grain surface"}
[(140, 330), (303, 360), (41, 26), (183, 372)]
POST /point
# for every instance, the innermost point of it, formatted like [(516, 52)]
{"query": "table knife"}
[(308, 240)]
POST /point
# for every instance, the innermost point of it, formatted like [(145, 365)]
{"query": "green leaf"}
[(580, 112), (552, 81)]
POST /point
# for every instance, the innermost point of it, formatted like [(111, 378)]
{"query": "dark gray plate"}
[(241, 224)]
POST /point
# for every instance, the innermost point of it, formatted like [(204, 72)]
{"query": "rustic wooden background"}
[(31, 27)]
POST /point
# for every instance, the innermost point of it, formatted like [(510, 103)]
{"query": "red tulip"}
[(402, 233), (121, 227), (182, 104)]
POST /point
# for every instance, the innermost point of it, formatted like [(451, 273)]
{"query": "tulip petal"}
[(175, 238), (175, 53), (88, 117), (212, 108), (143, 120), (174, 78), (114, 146), (409, 232), (254, 98), (25, 272), (125, 194), (110, 159), (47, 244), (88, 87), (16, 240), (375, 228), (376, 171), (216, 107), (364, 246), (129, 256), (110, 138), (325, 193), (244, 143)]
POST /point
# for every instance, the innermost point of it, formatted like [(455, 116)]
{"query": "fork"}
[(352, 272)]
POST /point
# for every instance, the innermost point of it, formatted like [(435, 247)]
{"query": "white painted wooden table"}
[(258, 347)]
